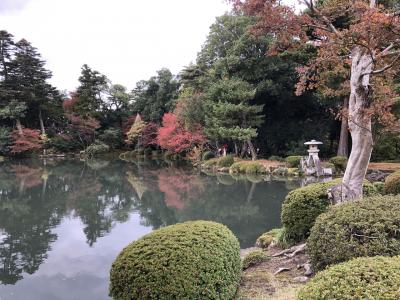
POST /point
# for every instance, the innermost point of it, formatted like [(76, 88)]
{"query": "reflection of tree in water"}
[(34, 198), (248, 208), (26, 220)]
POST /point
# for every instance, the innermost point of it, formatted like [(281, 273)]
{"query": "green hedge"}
[(302, 206), (192, 260), (392, 183), (340, 163), (367, 227), (225, 161), (362, 278), (293, 161)]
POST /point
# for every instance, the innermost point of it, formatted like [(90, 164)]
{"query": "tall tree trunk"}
[(42, 130), (19, 127), (252, 150), (236, 149), (343, 149), (359, 124)]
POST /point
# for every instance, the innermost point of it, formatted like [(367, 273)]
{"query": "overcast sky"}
[(127, 40)]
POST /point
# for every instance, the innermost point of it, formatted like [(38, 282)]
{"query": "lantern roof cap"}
[(313, 142)]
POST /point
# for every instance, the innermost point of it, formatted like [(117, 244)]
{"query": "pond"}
[(62, 222)]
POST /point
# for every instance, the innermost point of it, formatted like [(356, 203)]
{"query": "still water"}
[(62, 223)]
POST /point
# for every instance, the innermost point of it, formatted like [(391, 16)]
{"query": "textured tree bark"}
[(343, 149), (359, 124), (252, 150)]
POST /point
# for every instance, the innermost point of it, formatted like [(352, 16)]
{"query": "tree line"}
[(233, 96)]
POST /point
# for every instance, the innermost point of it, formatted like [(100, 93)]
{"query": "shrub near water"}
[(293, 161), (302, 206), (248, 167), (192, 260), (367, 227), (225, 161), (392, 183), (362, 278), (339, 162)]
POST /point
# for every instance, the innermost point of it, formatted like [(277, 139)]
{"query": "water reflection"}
[(111, 203)]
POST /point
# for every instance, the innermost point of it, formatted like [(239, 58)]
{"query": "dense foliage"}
[(192, 260), (361, 228), (303, 205), (392, 183), (362, 278)]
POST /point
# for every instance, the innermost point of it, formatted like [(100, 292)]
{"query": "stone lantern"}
[(312, 165)]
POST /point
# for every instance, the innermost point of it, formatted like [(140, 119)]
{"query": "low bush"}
[(208, 155), (238, 167), (254, 258), (367, 227), (379, 187), (362, 278), (392, 183), (209, 164), (267, 238), (339, 162), (248, 167), (302, 206), (225, 161), (281, 171), (192, 260), (293, 161), (96, 149)]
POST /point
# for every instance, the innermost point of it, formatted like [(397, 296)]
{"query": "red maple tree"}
[(28, 141), (174, 137)]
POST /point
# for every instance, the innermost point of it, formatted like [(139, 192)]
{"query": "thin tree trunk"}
[(343, 149), (243, 150), (19, 127), (359, 125), (236, 149), (252, 150), (42, 129)]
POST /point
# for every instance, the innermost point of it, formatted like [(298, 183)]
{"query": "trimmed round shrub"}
[(340, 162), (392, 183), (225, 161), (367, 227), (254, 258), (362, 278), (191, 260), (302, 206), (208, 155), (96, 149), (293, 161)]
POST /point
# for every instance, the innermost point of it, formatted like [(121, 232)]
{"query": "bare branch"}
[(314, 10), (388, 66)]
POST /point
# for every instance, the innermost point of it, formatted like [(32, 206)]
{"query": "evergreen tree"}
[(154, 97), (230, 115), (90, 92)]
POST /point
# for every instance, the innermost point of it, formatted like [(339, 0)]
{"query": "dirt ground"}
[(384, 166), (261, 283)]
